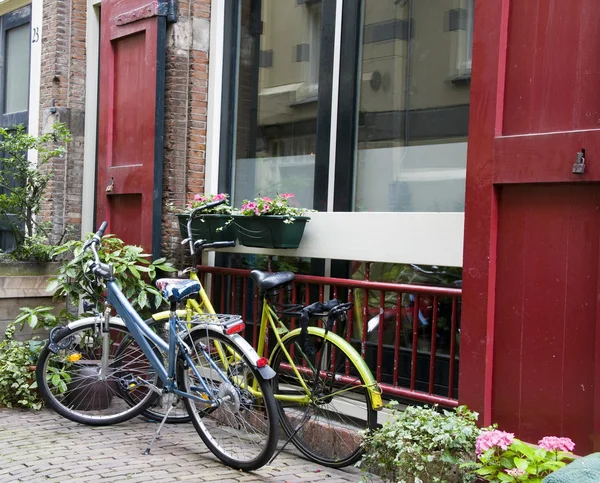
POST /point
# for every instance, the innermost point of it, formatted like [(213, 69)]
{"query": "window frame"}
[(9, 21)]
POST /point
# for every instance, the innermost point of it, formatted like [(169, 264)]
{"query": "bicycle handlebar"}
[(195, 245), (204, 208), (97, 267)]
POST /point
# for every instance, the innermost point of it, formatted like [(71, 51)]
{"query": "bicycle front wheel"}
[(242, 429), (72, 380), (325, 424)]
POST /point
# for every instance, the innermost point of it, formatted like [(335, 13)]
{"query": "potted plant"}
[(211, 225), (270, 223)]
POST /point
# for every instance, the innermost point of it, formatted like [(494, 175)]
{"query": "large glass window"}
[(17, 69), (413, 105), (277, 99)]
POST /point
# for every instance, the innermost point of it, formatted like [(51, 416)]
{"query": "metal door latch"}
[(579, 166)]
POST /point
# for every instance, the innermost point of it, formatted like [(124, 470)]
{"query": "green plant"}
[(40, 317), (132, 269), (25, 184), (263, 206), (422, 444), (17, 381), (202, 200), (504, 458)]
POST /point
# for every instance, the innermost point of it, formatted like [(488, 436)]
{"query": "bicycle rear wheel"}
[(326, 429), (242, 431), (71, 382)]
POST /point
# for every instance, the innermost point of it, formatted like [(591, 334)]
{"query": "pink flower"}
[(251, 205), (266, 208), (516, 472), (198, 197), (267, 199), (256, 212), (286, 196), (552, 443), (219, 197), (492, 439)]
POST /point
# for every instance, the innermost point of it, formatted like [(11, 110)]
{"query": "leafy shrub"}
[(25, 185), (17, 381), (422, 444), (132, 268)]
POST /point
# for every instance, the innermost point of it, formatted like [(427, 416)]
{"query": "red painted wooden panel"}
[(552, 63), (546, 158), (126, 122), (530, 337), (545, 326)]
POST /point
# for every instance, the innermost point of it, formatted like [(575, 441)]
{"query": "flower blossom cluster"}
[(203, 199), (493, 439), (553, 443), (516, 472)]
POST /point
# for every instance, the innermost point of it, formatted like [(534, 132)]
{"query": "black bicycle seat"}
[(267, 281)]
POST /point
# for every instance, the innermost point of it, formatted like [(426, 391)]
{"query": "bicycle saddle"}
[(267, 281), (176, 288)]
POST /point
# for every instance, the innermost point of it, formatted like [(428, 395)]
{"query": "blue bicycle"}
[(107, 369)]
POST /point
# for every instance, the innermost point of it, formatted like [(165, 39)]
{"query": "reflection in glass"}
[(17, 69), (414, 105), (277, 99)]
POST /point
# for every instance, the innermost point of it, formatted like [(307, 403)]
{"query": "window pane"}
[(277, 99), (413, 106), (17, 69)]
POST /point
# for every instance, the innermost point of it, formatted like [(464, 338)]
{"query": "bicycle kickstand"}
[(171, 406)]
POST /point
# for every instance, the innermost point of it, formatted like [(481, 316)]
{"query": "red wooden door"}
[(530, 341), (130, 123)]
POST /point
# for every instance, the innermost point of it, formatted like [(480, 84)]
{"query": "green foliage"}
[(17, 381), (132, 268), (520, 462), (39, 317), (265, 206), (25, 183), (422, 444)]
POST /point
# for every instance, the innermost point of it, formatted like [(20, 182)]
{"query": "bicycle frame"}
[(269, 319), (141, 332)]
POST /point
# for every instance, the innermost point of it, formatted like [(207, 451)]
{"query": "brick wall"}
[(62, 98), (186, 99)]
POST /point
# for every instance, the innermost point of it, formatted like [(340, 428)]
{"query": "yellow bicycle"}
[(325, 391)]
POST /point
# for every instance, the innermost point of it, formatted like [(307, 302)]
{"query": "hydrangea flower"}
[(493, 439), (553, 443), (515, 472)]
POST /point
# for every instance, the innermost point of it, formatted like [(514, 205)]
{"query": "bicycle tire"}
[(222, 428), (327, 429), (83, 397), (158, 408)]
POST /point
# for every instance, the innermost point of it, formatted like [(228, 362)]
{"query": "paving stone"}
[(40, 446)]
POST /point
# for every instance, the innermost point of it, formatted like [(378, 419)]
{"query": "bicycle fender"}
[(266, 371), (78, 323), (367, 376)]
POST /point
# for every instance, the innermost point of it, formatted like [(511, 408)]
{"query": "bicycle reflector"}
[(262, 362), (235, 327)]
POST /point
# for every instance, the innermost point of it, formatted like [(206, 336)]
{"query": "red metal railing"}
[(413, 352)]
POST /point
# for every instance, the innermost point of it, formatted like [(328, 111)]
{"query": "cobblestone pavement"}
[(42, 446)]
